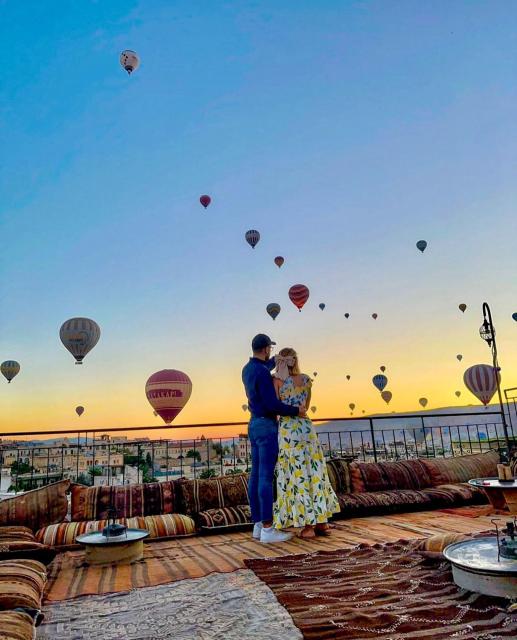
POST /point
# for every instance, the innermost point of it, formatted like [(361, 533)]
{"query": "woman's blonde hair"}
[(287, 352)]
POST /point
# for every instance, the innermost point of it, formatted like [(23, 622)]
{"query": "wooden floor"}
[(172, 560)]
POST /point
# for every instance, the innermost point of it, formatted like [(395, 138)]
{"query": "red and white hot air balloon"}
[(168, 391), (205, 200), (299, 294), (481, 380)]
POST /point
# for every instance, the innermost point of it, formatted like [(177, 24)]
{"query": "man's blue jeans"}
[(263, 436)]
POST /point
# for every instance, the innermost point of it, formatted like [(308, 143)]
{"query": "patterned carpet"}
[(387, 592), (173, 560), (231, 606)]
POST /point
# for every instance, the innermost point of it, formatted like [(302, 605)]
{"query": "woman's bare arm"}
[(278, 383)]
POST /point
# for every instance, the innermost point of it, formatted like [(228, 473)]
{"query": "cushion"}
[(16, 625), (447, 495), (21, 583), (16, 533), (225, 518), (373, 476), (37, 508), (339, 475), (406, 474), (356, 478), (213, 493), (148, 499), (381, 501), (462, 468), (434, 545), (171, 525)]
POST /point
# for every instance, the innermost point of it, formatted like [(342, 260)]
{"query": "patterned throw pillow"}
[(16, 625), (406, 474), (462, 468), (146, 499), (37, 508), (213, 493), (21, 583), (339, 475), (225, 518), (16, 533)]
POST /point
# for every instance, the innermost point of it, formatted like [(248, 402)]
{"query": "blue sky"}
[(343, 131)]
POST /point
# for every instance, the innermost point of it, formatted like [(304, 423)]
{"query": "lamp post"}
[(487, 332)]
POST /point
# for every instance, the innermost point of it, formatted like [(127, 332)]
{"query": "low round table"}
[(123, 549), (475, 567), (502, 495)]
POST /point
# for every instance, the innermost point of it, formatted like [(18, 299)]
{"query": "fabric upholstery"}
[(148, 499), (406, 474), (438, 542), (37, 508), (354, 504), (16, 533), (373, 477), (171, 525), (21, 583), (226, 518), (356, 478), (213, 493), (16, 625), (19, 542), (462, 468), (339, 475), (451, 495)]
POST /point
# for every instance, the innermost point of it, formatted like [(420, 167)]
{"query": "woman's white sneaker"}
[(269, 534), (257, 529)]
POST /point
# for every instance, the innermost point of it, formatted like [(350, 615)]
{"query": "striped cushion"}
[(381, 501), (453, 495), (171, 525), (373, 476), (16, 625), (16, 533), (462, 468), (339, 475), (225, 518), (406, 474), (438, 542), (213, 493), (21, 583), (356, 478), (37, 508), (147, 499)]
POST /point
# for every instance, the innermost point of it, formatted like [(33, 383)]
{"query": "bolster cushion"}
[(16, 625), (21, 583), (461, 468)]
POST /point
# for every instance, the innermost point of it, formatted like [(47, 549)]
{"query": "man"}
[(264, 407)]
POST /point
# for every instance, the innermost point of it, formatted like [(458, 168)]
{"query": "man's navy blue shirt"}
[(260, 390)]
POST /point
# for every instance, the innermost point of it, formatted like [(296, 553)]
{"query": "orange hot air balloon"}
[(299, 294), (168, 391), (79, 410), (386, 396), (374, 316), (205, 200), (279, 261)]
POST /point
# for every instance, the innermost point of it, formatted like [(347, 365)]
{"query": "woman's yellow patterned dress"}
[(304, 493)]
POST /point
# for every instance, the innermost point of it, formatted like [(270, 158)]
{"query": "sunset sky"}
[(344, 131)]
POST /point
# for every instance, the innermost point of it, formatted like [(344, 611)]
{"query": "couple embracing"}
[(304, 496)]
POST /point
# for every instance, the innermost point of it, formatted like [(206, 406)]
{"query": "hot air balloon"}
[(205, 200), (382, 368), (374, 316), (459, 357), (457, 393), (129, 60), (252, 237), (314, 373), (279, 261), (79, 336), (514, 316), (321, 305), (348, 377), (421, 245), (79, 410), (299, 294), (168, 391), (386, 396), (10, 369), (423, 402), (347, 315), (313, 409), (380, 381), (352, 406), (273, 309), (244, 407), (462, 307), (481, 380)]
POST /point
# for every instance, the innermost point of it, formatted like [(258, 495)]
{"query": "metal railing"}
[(92, 459)]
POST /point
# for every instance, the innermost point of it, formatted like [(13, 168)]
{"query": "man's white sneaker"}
[(257, 529), (268, 534)]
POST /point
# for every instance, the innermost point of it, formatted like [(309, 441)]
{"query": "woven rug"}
[(170, 560), (384, 591), (230, 606)]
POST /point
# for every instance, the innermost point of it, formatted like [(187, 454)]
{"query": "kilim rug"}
[(385, 591), (231, 606), (172, 560)]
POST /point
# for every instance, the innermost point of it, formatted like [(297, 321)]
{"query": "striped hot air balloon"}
[(252, 237), (380, 381), (273, 309), (168, 391), (79, 336), (10, 369), (299, 294), (481, 380)]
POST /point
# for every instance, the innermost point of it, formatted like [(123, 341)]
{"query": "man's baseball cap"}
[(261, 341)]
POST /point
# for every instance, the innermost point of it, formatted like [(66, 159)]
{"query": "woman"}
[(305, 497)]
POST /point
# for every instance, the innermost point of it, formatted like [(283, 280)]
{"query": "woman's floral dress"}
[(304, 493)]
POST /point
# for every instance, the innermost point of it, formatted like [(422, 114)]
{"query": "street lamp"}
[(487, 333)]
